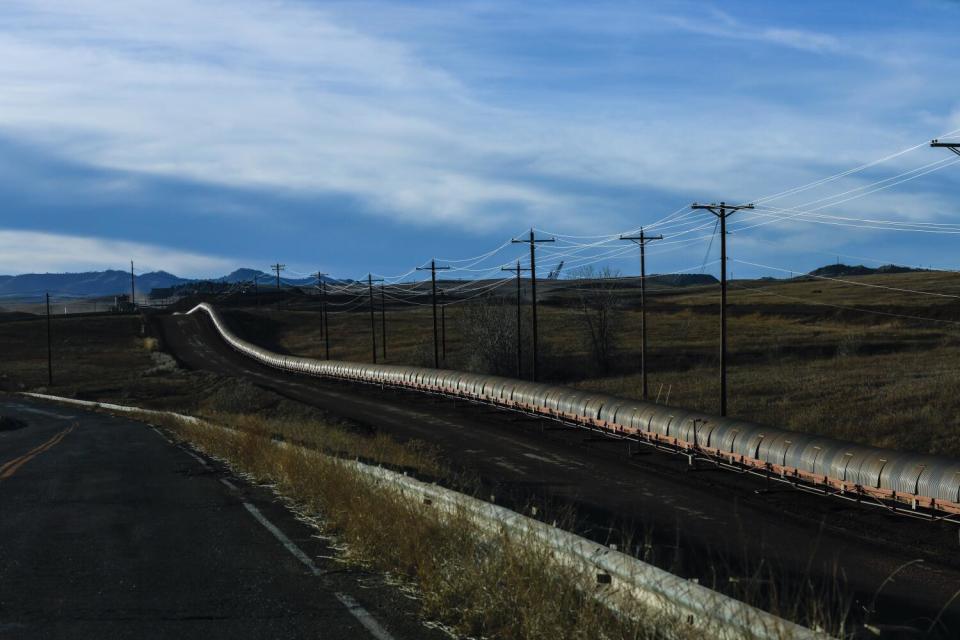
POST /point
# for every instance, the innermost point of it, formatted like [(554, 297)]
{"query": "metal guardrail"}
[(626, 585)]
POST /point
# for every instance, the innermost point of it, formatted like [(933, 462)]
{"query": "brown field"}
[(864, 363), (856, 361)]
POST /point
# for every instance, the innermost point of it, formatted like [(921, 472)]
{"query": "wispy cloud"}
[(485, 117), (722, 25)]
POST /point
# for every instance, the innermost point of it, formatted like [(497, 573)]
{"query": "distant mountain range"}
[(114, 282), (838, 270)]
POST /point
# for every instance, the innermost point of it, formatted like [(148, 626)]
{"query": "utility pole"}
[(278, 268), (443, 326), (517, 270), (256, 288), (373, 322), (49, 347), (953, 146), (532, 240), (319, 276), (133, 297), (326, 318), (642, 241), (383, 319), (436, 338), (722, 211)]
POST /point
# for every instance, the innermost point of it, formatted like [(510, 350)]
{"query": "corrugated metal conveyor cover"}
[(609, 410), (520, 390), (474, 384), (842, 460), (793, 445), (906, 476), (594, 404), (871, 468), (489, 382), (447, 378), (569, 400), (537, 395), (750, 446), (735, 432), (773, 449), (552, 399), (637, 415), (666, 421), (691, 425), (940, 479), (499, 389), (453, 381)]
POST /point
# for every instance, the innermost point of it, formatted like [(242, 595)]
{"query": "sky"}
[(198, 136)]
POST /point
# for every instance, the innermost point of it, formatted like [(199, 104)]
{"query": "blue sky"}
[(197, 136)]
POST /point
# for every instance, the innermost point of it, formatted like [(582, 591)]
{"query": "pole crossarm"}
[(642, 238), (532, 240), (953, 146), (721, 209)]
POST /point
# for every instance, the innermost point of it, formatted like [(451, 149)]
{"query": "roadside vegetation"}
[(476, 583)]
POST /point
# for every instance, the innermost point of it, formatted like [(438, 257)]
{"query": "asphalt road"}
[(109, 530), (702, 522)]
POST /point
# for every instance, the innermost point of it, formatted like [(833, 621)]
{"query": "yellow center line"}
[(11, 467)]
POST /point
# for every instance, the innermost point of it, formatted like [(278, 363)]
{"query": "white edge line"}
[(229, 484), (197, 458), (363, 616)]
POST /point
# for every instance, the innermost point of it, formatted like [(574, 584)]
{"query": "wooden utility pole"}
[(133, 292), (532, 240), (326, 318), (49, 347), (319, 276), (278, 268), (373, 322), (722, 211), (642, 241), (383, 320), (443, 327), (433, 268), (517, 269)]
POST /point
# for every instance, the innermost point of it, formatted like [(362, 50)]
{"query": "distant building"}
[(122, 304)]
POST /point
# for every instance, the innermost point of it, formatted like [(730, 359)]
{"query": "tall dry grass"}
[(476, 583)]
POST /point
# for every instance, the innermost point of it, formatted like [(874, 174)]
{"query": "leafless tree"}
[(598, 304), (489, 326)]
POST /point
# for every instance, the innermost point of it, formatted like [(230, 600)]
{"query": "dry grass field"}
[(870, 362)]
